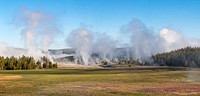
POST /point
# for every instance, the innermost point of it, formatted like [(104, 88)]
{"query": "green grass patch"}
[(90, 82)]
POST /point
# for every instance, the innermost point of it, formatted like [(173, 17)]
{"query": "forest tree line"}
[(185, 57), (25, 63)]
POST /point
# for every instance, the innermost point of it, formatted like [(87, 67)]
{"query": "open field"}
[(135, 81)]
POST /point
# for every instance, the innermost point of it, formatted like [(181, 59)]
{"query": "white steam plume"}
[(39, 31), (7, 51), (81, 39), (86, 43), (171, 40), (144, 42), (104, 45), (3, 49)]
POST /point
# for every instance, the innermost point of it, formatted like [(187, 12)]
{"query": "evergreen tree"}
[(185, 57), (2, 63), (10, 64), (50, 65), (39, 66), (31, 63), (19, 64), (55, 65), (45, 65), (24, 63)]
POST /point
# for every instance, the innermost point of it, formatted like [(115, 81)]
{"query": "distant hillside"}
[(62, 51), (66, 55), (185, 57)]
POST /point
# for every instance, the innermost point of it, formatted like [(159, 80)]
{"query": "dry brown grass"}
[(14, 77), (173, 89), (75, 66), (177, 89), (100, 86)]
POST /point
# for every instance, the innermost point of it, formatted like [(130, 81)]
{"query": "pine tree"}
[(10, 65), (39, 66), (31, 63), (2, 63), (19, 64), (24, 62), (45, 65), (50, 65)]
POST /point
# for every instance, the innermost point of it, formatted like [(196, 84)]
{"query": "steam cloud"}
[(3, 49), (81, 39), (39, 30), (142, 41), (104, 45), (142, 44), (86, 45)]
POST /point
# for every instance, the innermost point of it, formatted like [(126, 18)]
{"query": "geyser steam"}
[(171, 40), (104, 45), (86, 44), (143, 43), (81, 40), (38, 31)]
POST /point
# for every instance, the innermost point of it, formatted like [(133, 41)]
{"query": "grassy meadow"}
[(136, 81)]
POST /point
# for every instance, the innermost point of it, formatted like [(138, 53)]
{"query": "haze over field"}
[(92, 29)]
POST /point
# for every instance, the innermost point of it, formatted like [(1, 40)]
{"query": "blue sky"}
[(103, 16)]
